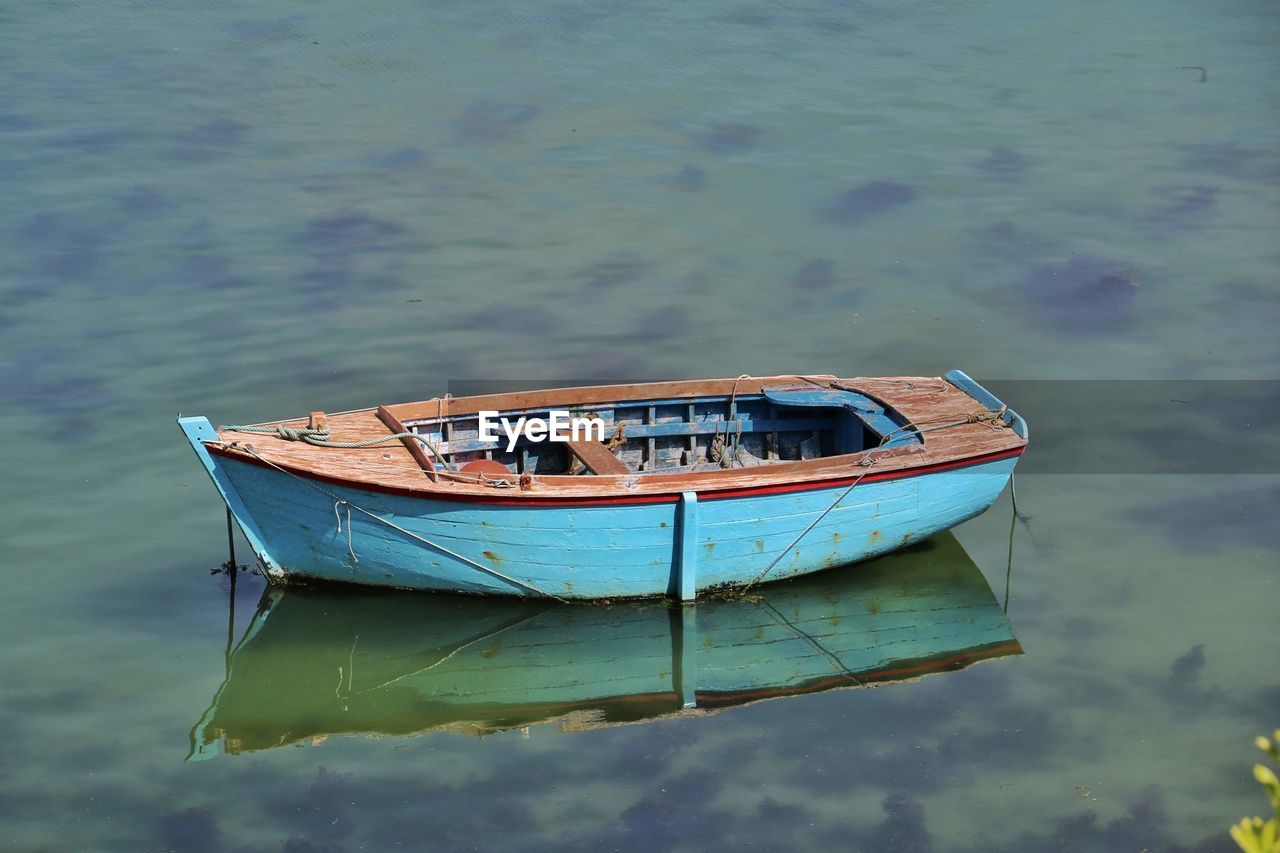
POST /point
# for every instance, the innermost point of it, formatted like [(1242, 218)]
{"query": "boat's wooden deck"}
[(921, 400)]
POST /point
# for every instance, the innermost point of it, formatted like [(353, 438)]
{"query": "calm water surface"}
[(252, 210)]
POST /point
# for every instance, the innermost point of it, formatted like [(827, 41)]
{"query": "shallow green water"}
[(255, 210)]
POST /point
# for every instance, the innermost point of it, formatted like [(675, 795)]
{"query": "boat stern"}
[(970, 386)]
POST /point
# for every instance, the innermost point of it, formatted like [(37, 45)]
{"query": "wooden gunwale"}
[(393, 469), (502, 496)]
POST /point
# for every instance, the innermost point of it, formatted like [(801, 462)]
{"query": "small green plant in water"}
[(1253, 834)]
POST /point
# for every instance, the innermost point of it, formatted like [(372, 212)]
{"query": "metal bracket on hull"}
[(198, 431)]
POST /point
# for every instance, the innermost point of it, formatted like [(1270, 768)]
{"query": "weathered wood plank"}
[(597, 457), (415, 448)]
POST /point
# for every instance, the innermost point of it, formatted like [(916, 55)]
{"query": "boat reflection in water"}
[(315, 663)]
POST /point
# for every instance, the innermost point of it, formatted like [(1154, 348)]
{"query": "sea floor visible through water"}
[(252, 211)]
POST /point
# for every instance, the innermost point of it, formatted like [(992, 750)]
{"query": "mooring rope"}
[(350, 506), (320, 437), (350, 549), (993, 418), (866, 462)]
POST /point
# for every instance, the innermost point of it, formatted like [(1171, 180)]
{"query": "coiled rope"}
[(994, 418), (320, 437)]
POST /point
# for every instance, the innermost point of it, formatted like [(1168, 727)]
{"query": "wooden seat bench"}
[(597, 457)]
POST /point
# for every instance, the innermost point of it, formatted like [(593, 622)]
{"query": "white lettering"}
[(512, 434), (587, 426), (559, 420), (536, 429), (560, 427), (487, 426)]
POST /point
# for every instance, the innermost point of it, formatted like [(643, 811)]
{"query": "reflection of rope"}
[(811, 640), (409, 533), (867, 462), (456, 651)]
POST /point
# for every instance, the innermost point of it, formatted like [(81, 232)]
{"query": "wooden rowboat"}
[(700, 484), (316, 663)]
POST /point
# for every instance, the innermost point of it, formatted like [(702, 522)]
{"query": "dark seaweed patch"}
[(194, 829), (351, 247), (54, 382), (668, 816), (205, 272), (730, 138), (95, 140), (834, 26), (350, 228), (690, 179), (667, 324), (142, 201), (1143, 827), (198, 236), (266, 30), (13, 123), (210, 139), (904, 829), (750, 16), (1186, 211), (1229, 159), (1088, 294), (492, 122), (1202, 523), (336, 807), (302, 844), (1007, 240), (532, 320), (65, 247), (1187, 667), (816, 274), (614, 272), (1004, 163), (872, 199), (402, 158)]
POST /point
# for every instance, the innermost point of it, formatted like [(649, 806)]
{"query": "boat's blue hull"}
[(302, 529)]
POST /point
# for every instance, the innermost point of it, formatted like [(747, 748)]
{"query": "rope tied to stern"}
[(993, 418)]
